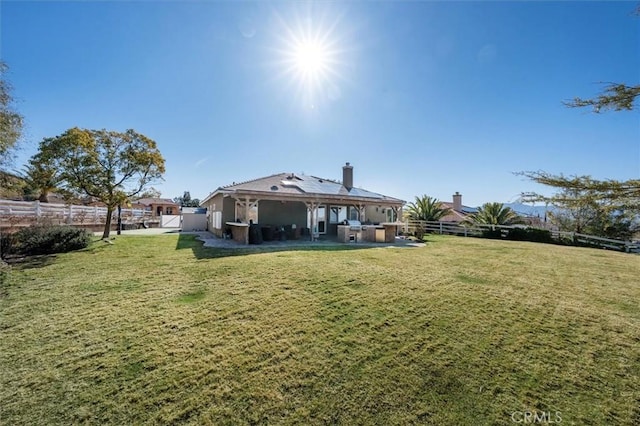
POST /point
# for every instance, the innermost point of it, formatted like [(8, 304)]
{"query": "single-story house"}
[(459, 212), (157, 206), (299, 205)]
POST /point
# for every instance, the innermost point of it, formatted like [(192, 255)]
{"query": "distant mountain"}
[(529, 210)]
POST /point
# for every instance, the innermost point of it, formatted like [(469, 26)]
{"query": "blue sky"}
[(421, 97)]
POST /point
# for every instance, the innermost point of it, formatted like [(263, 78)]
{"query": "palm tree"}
[(494, 214), (427, 208), (41, 179)]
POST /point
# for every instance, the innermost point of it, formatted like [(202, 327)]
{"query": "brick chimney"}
[(457, 201), (347, 176)]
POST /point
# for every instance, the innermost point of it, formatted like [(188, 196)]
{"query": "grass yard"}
[(464, 331)]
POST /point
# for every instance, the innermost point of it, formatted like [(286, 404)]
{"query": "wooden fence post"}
[(38, 209)]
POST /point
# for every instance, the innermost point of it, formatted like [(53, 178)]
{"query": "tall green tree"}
[(109, 166), (186, 200), (494, 214), (592, 211), (574, 190), (427, 208), (11, 121), (576, 211)]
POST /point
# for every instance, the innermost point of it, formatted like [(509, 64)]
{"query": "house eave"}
[(307, 197), (213, 194)]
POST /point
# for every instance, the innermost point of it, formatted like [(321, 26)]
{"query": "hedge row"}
[(44, 239), (520, 234)]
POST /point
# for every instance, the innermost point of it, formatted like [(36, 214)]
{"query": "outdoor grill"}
[(354, 225), (355, 230)]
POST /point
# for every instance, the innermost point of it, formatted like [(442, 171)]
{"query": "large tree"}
[(10, 120), (579, 211), (109, 166), (623, 194)]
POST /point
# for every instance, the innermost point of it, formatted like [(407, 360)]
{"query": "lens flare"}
[(311, 55)]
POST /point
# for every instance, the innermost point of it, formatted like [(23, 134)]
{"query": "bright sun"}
[(310, 57), (311, 54)]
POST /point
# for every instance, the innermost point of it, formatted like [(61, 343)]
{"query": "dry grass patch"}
[(464, 331)]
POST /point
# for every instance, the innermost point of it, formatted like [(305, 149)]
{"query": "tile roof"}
[(149, 201)]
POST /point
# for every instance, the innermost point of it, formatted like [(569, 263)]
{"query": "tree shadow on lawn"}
[(31, 262), (190, 241)]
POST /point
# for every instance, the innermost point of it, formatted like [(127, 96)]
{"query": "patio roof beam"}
[(317, 198), (247, 203)]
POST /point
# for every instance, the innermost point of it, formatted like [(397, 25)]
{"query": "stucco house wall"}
[(377, 214), (214, 207)]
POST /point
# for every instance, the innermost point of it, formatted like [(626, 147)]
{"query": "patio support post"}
[(396, 213), (312, 209)]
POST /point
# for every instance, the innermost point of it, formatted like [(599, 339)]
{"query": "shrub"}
[(520, 234), (491, 233), (530, 234), (43, 239), (7, 243)]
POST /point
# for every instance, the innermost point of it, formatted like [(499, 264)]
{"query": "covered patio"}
[(300, 218), (300, 207)]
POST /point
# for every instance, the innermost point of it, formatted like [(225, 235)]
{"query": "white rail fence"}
[(475, 230), (22, 213)]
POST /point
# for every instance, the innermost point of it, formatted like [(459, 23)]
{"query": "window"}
[(337, 214), (217, 220), (353, 213)]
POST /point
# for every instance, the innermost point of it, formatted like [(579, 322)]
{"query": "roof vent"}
[(274, 188)]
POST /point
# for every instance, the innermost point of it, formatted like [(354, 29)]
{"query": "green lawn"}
[(463, 331)]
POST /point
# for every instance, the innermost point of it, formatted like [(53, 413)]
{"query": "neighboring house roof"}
[(457, 215), (150, 201), (289, 185)]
